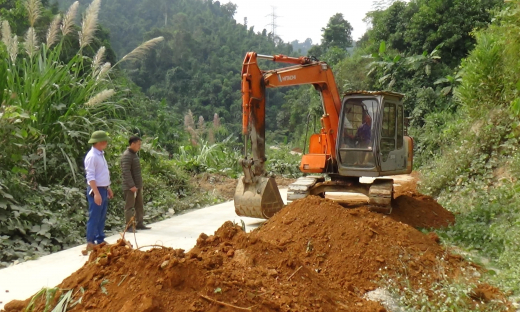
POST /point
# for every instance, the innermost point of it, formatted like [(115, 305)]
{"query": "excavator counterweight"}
[(362, 135)]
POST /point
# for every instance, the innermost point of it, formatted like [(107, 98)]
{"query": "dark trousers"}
[(134, 206), (97, 215)]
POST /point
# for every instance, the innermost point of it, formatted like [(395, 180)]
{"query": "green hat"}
[(98, 136)]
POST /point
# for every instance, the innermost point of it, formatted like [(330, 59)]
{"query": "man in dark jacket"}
[(133, 184)]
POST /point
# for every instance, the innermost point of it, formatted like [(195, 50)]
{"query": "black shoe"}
[(143, 227)]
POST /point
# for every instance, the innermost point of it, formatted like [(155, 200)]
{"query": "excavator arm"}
[(256, 194)]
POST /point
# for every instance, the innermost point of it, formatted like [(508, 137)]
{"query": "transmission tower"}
[(273, 18)]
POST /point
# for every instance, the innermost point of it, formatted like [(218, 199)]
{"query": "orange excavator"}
[(362, 135)]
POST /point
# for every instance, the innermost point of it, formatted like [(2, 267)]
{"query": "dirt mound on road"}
[(420, 211), (350, 247), (230, 268), (314, 255)]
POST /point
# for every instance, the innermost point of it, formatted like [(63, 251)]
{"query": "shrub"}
[(280, 161), (474, 173)]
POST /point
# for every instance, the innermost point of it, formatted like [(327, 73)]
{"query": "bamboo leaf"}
[(440, 80), (382, 47), (445, 91), (428, 69)]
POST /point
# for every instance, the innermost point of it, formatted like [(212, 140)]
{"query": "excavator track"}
[(301, 188), (380, 192), (380, 195)]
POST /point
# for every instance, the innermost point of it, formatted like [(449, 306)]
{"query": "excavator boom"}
[(361, 135), (257, 195)]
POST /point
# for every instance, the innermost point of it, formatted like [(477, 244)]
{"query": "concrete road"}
[(181, 231)]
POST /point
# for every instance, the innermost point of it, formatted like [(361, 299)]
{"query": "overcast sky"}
[(299, 20)]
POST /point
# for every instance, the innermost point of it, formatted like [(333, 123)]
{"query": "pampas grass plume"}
[(141, 50), (31, 43), (68, 20), (52, 33), (89, 24), (100, 97), (33, 8), (98, 58)]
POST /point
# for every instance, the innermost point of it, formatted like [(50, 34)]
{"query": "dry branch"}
[(225, 304), (295, 272)]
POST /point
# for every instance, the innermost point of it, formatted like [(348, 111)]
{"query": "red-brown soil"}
[(314, 255), (350, 246), (418, 210), (230, 267)]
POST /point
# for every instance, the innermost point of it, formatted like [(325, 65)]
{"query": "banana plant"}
[(452, 82), (391, 66)]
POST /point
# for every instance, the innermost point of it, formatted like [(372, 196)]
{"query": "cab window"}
[(388, 130)]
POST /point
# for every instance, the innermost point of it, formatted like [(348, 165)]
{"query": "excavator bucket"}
[(259, 199)]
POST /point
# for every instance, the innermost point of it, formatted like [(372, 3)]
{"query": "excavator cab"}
[(371, 140)]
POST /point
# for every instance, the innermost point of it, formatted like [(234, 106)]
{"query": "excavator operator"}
[(363, 134)]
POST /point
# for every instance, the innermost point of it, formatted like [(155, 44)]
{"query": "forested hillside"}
[(197, 67), (60, 80)]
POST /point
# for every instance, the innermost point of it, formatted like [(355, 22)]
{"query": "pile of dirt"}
[(314, 255), (416, 209), (420, 211), (351, 247), (230, 268)]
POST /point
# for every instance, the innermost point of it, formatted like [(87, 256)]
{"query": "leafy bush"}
[(280, 161), (219, 157), (475, 171), (35, 221)]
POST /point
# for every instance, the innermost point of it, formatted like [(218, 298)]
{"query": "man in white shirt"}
[(98, 189)]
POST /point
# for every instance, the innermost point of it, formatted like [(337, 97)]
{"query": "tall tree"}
[(338, 33), (422, 25)]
